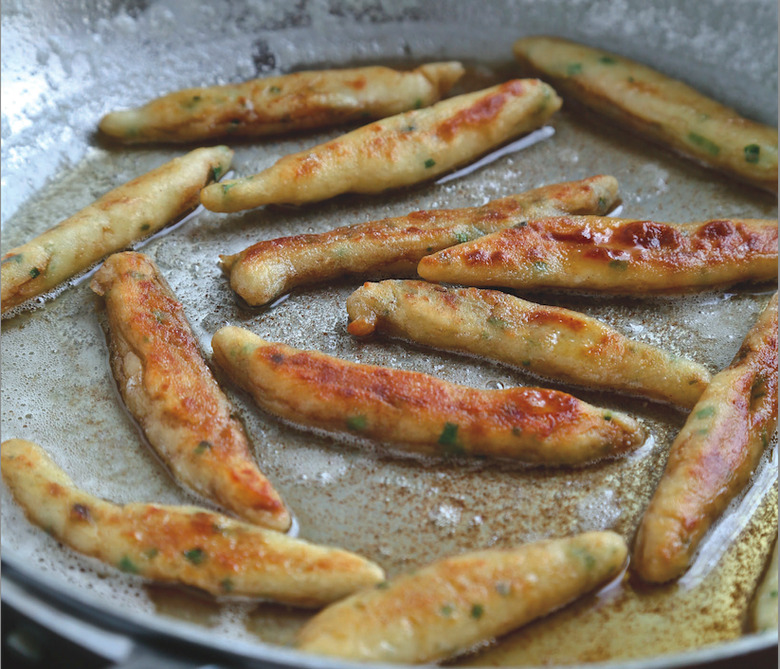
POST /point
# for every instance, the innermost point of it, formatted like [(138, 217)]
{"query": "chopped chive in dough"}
[(462, 237), (384, 585), (449, 434), (226, 188), (160, 316), (477, 610), (704, 143), (145, 227), (607, 416), (619, 265), (764, 439), (574, 68), (498, 322), (706, 412), (126, 564), (418, 103), (752, 152), (608, 60), (583, 556), (357, 423), (521, 224), (602, 204), (631, 80), (447, 610), (35, 272), (216, 172), (526, 363), (151, 553), (195, 555), (202, 447), (429, 249), (275, 89), (16, 257), (430, 162), (226, 584), (540, 266)]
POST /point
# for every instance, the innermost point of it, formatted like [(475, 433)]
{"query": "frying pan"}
[(66, 64)]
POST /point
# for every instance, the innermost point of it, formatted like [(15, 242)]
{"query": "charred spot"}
[(582, 235), (482, 112), (715, 230), (648, 235), (80, 512), (482, 257), (550, 317)]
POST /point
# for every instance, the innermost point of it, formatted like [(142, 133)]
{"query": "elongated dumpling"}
[(713, 456), (420, 412), (395, 245), (311, 99), (612, 255), (181, 544), (113, 222), (173, 395), (456, 603), (661, 108), (559, 343), (397, 151)]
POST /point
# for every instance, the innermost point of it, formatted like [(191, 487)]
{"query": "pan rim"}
[(20, 581)]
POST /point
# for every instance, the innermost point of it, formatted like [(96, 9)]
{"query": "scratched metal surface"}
[(66, 64)]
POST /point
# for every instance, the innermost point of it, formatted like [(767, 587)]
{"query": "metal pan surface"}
[(66, 64)]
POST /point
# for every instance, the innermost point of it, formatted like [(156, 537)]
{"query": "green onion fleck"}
[(462, 237), (202, 447), (195, 555), (447, 610), (449, 434), (574, 68), (226, 584), (216, 172), (752, 152), (357, 423), (275, 89), (706, 412), (704, 143), (430, 162), (418, 103), (126, 564), (540, 266), (384, 585), (151, 553), (619, 265), (476, 611), (35, 272), (608, 60)]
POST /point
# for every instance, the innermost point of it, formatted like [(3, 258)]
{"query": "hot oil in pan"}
[(400, 511)]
